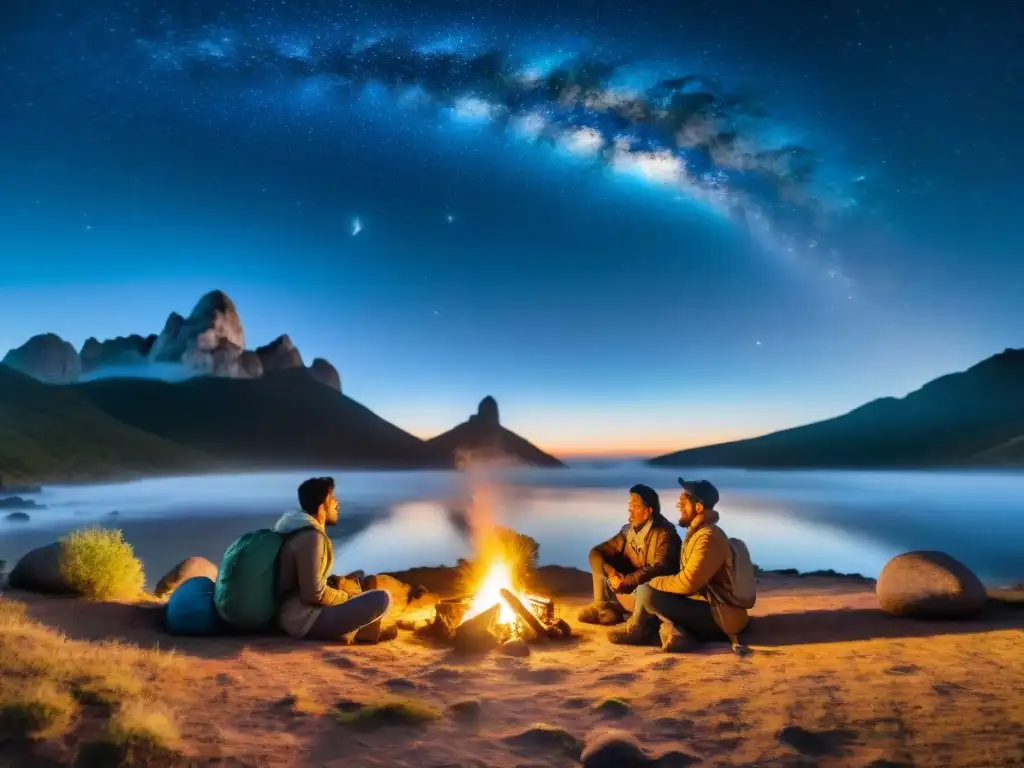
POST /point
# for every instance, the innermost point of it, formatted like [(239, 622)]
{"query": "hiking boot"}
[(631, 634), (604, 614), (674, 639)]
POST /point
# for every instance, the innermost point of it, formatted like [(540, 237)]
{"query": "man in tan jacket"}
[(693, 603), (310, 601), (646, 547)]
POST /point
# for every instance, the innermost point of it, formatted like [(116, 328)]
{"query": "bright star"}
[(451, 218), (357, 226)]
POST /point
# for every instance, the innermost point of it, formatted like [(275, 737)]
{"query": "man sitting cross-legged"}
[(647, 546), (696, 602)]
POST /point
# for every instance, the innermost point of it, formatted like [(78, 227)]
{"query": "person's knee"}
[(379, 600), (642, 595)]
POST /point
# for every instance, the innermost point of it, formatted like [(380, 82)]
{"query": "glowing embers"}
[(497, 612)]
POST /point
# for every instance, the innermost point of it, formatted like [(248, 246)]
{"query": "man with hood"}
[(694, 602), (310, 602), (646, 547)]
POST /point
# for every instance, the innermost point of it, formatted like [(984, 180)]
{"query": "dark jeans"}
[(603, 592), (336, 621), (687, 613)]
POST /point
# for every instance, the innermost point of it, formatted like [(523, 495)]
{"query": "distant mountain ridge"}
[(106, 413), (971, 418)]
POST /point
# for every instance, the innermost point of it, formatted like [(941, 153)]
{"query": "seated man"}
[(310, 604), (646, 547), (693, 604)]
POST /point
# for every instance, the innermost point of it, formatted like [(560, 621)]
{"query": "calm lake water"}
[(848, 521)]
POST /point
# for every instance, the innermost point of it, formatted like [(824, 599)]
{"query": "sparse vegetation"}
[(100, 565), (301, 702), (143, 731), (388, 712), (37, 710), (48, 681)]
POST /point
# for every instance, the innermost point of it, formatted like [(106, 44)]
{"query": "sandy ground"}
[(832, 682)]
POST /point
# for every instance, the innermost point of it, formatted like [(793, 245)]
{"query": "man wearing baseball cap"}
[(693, 604)]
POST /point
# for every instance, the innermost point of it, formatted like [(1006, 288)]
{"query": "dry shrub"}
[(36, 709), (143, 731), (100, 565)]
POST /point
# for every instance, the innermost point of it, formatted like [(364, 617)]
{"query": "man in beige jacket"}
[(310, 601), (693, 604)]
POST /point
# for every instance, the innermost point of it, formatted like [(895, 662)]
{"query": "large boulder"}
[(182, 572), (209, 341), (46, 357), (398, 590), (122, 350), (325, 373), (39, 571), (929, 585), (280, 355)]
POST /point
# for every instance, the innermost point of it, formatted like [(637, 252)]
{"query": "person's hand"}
[(615, 580)]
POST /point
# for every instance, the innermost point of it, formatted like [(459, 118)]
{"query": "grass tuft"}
[(389, 712), (100, 565), (38, 710), (143, 730)]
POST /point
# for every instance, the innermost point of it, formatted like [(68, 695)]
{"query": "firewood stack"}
[(536, 623)]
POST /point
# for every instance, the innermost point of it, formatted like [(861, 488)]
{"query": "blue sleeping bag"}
[(191, 610)]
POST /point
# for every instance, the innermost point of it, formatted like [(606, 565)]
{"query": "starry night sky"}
[(639, 230)]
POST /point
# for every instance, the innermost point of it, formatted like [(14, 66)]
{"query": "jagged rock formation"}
[(209, 342), (46, 357), (325, 373), (483, 439), (279, 355), (122, 350)]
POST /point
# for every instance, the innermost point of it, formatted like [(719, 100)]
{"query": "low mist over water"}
[(847, 521)]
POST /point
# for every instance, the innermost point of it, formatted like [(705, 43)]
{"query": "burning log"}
[(528, 617), (542, 607), (448, 615), (474, 635)]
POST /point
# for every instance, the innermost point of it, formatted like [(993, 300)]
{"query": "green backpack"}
[(246, 592)]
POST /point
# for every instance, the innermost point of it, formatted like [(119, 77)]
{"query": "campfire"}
[(498, 611)]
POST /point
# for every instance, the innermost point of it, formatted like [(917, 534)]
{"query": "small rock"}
[(18, 517), (613, 707), (516, 647), (16, 502), (614, 749), (466, 710), (182, 572), (418, 591), (929, 585)]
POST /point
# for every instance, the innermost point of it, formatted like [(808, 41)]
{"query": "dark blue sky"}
[(639, 230)]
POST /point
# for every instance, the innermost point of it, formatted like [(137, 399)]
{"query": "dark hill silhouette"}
[(285, 418), (971, 418), (51, 432), (483, 438)]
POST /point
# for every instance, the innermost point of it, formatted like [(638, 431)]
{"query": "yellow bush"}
[(100, 565)]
